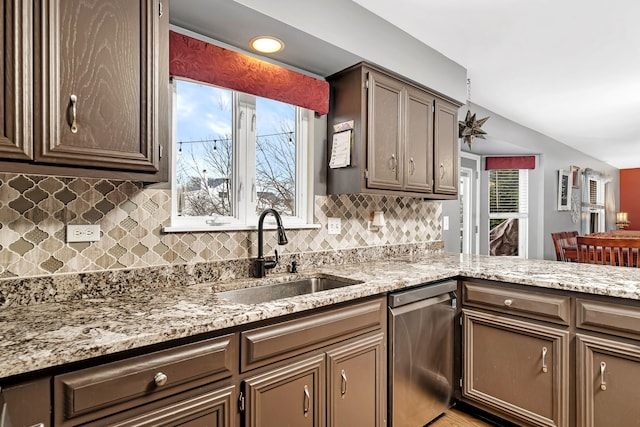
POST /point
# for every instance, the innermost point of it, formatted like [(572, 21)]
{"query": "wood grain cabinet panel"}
[(289, 396), (102, 390), (404, 135), (527, 303), (215, 408), (16, 73), (518, 368), (385, 132), (101, 87), (446, 151), (270, 344), (612, 318), (418, 160), (357, 379), (607, 382)]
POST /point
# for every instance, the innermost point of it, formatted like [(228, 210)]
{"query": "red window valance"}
[(511, 162), (204, 62)]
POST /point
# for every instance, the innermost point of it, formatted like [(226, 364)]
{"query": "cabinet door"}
[(519, 369), (446, 148), (607, 382), (15, 79), (356, 383), (385, 132), (98, 83), (419, 141), (28, 404), (289, 396)]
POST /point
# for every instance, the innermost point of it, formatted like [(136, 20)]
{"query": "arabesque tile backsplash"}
[(34, 212)]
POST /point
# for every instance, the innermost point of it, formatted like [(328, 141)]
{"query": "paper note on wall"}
[(341, 150)]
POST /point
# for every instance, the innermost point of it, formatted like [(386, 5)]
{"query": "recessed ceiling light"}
[(266, 44)]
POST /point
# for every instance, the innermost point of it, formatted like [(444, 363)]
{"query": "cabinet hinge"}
[(160, 11), (241, 402), (460, 320), (366, 174), (461, 382), (366, 83), (161, 151)]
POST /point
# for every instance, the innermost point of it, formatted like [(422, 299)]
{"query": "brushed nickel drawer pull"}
[(160, 379), (74, 114), (393, 163), (508, 302), (544, 361), (343, 387), (603, 384), (442, 170), (307, 401)]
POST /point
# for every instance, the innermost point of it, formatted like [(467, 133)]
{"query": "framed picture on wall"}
[(565, 183)]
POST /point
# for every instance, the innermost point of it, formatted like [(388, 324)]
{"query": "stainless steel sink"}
[(276, 291)]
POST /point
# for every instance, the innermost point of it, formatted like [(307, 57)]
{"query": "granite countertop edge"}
[(42, 336)]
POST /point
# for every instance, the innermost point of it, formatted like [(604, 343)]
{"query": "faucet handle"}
[(277, 257)]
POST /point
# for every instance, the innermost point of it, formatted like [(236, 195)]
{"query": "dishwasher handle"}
[(418, 305), (420, 293)]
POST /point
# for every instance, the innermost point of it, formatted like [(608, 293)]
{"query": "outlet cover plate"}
[(334, 225), (83, 233)]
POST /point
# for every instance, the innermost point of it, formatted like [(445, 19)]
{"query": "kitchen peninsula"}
[(50, 338)]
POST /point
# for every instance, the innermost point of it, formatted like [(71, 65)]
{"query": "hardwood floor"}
[(456, 418)]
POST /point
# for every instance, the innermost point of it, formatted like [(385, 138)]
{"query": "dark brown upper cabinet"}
[(16, 80), (99, 93), (404, 136)]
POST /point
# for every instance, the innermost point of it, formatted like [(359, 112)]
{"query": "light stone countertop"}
[(51, 334)]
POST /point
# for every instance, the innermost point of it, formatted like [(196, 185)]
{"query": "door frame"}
[(475, 194)]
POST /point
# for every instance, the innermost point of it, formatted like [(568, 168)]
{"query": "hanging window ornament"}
[(470, 127)]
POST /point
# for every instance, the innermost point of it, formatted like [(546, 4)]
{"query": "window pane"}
[(275, 156), (204, 150), (504, 237)]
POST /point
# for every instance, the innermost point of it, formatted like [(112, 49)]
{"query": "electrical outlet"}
[(334, 225), (445, 223), (83, 233)]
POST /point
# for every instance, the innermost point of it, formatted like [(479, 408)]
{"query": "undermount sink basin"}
[(276, 291)]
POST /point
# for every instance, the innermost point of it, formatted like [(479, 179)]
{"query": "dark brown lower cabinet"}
[(356, 393), (343, 386), (607, 382), (517, 368), (214, 408), (292, 395), (29, 403)]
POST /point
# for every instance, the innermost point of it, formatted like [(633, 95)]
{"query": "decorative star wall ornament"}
[(469, 128)]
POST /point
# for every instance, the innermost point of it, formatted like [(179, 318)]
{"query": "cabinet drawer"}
[(617, 319), (536, 305), (133, 381), (269, 344)]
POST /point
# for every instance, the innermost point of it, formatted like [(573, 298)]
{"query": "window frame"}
[(522, 217), (244, 193)]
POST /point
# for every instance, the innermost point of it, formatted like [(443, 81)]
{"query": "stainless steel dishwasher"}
[(421, 353)]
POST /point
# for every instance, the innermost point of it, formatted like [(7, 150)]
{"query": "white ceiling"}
[(569, 69)]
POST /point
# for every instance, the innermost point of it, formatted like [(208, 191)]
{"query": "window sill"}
[(232, 227)]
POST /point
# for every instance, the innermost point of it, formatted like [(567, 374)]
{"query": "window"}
[(234, 156), (508, 212)]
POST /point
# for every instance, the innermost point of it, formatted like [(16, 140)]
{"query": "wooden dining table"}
[(571, 252)]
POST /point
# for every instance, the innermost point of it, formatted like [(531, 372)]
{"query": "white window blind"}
[(508, 191)]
